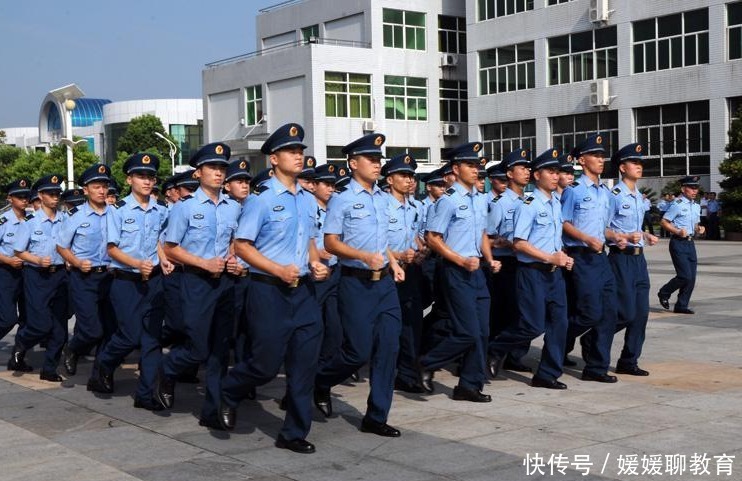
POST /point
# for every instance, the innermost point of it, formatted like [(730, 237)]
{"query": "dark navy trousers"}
[(208, 320), (241, 342), (467, 301), (504, 301), (94, 315), (173, 329), (410, 340), (542, 303), (594, 310), (632, 289), (139, 311), (46, 306), (11, 289), (327, 298), (685, 261), (372, 320), (284, 327)]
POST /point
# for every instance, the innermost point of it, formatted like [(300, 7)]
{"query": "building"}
[(666, 74), (342, 69)]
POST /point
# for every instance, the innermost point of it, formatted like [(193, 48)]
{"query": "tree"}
[(8, 156), (731, 169), (140, 137), (117, 168), (2, 137)]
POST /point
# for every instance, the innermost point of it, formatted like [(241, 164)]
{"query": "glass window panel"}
[(415, 18), (416, 81), (410, 38), (734, 13), (587, 66), (690, 50), (703, 48), (521, 76), (564, 70), (483, 84), (699, 165), (511, 78), (366, 107), (531, 68), (560, 125), (663, 54), (502, 79), (676, 52), (420, 38), (735, 43), (392, 16), (705, 139), (398, 37), (462, 43), (654, 141), (606, 37), (697, 20), (559, 45), (388, 36), (670, 25), (638, 58), (613, 62), (644, 30), (694, 138), (510, 8), (642, 136), (698, 110), (355, 106), (674, 113), (648, 116), (680, 139), (651, 168), (525, 52), (608, 120), (448, 22), (582, 41), (650, 58), (488, 58), (673, 166), (506, 55)]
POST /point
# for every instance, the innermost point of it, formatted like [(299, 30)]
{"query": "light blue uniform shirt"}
[(135, 230), (403, 225), (361, 220), (460, 217), (500, 219), (538, 220), (84, 233), (424, 209), (320, 241), (201, 227), (40, 236), (587, 207), (683, 213), (280, 224), (9, 226), (627, 211)]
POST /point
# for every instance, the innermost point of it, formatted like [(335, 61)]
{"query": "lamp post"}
[(173, 151), (65, 101)]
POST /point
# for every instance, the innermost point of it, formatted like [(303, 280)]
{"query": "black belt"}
[(201, 272), (93, 270), (688, 238), (581, 250), (539, 266), (330, 270), (629, 251), (275, 281), (245, 273), (136, 276), (365, 274), (51, 269)]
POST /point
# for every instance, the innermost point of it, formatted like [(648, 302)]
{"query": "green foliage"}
[(8, 157), (650, 193), (140, 137), (731, 169), (2, 137), (671, 187), (117, 168)]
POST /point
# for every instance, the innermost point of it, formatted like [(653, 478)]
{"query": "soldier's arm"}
[(123, 258), (335, 246), (247, 251), (72, 259)]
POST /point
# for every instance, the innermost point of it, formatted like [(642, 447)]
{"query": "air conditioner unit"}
[(368, 126), (600, 93), (449, 60), (450, 130), (599, 11)]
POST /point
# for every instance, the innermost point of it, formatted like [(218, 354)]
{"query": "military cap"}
[(238, 169), (516, 157), (19, 188), (169, 183), (367, 145), (482, 173), (399, 163), (566, 163), (186, 179), (343, 179), (690, 181), (547, 159), (308, 171), (497, 171), (214, 153), (34, 195), (628, 152), (74, 197), (326, 173), (594, 144), (113, 187), (51, 182), (141, 163), (96, 172), (466, 153), (261, 178), (447, 169), (383, 183), (288, 135), (434, 177)]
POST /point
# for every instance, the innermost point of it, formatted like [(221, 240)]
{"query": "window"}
[(420, 154), (673, 41), (583, 56), (501, 139), (335, 156), (405, 98), (453, 101), (506, 69), (735, 104), (309, 32), (403, 29), (487, 9), (734, 30), (188, 138), (557, 2), (569, 130), (451, 34), (347, 95), (676, 137), (253, 104)]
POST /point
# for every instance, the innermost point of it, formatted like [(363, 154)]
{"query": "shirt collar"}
[(512, 194), (625, 189), (88, 210), (463, 191), (132, 203), (397, 204), (358, 188), (541, 196), (43, 217), (201, 196)]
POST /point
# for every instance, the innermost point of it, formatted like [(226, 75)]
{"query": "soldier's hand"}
[(419, 257), (85, 266), (622, 242), (289, 274), (560, 259), (215, 265), (145, 267), (398, 272), (635, 237), (683, 233), (166, 266), (374, 261), (233, 267), (319, 271), (701, 229), (45, 261), (495, 266), (471, 264), (408, 256), (324, 255), (595, 244), (16, 262), (652, 239)]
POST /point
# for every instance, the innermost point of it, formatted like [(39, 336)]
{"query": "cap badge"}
[(102, 169), (341, 171), (146, 160), (331, 168), (243, 164), (598, 139), (54, 179), (22, 183), (293, 131), (310, 162), (638, 149), (407, 159), (477, 147), (378, 140), (219, 150), (555, 153), (523, 153)]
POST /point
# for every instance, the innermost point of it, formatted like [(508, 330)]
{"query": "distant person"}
[(647, 222), (712, 221)]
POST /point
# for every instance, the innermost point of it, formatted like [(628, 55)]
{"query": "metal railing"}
[(279, 6)]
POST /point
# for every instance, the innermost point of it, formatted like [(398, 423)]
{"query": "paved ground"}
[(690, 405)]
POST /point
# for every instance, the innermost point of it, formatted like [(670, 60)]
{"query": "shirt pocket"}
[(277, 224), (198, 229), (129, 236), (225, 230), (462, 220), (38, 242), (359, 218)]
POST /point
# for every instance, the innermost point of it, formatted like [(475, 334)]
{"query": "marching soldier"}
[(11, 279), (566, 175)]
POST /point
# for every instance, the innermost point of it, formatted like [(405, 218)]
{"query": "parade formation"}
[(319, 270)]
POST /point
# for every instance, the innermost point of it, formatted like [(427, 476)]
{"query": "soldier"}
[(566, 175), (72, 198), (44, 282), (11, 279), (541, 295), (132, 232), (306, 178), (186, 183), (627, 258), (112, 196), (682, 222), (170, 190), (34, 200), (276, 237), (82, 244), (455, 230), (356, 230)]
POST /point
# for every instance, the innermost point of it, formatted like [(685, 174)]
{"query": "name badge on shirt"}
[(392, 220), (510, 211), (587, 199), (278, 208), (9, 234), (129, 221), (543, 214), (359, 206), (626, 206), (38, 232), (198, 216), (86, 224), (463, 207)]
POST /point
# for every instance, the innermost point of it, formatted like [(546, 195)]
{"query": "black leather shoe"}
[(471, 395), (301, 446), (664, 301), (413, 388), (323, 401), (282, 403), (515, 365), (605, 377), (50, 376), (211, 424), (494, 365), (425, 378), (679, 310), (165, 390), (17, 361), (631, 370), (547, 383), (69, 360), (251, 394), (380, 429), (568, 362), (227, 416), (148, 404)]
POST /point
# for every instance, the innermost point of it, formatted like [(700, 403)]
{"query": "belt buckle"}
[(216, 275), (636, 251), (52, 269), (294, 284), (553, 268), (376, 275)]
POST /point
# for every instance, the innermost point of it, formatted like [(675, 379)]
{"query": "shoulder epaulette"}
[(186, 197), (616, 191), (72, 211), (412, 203), (3, 220), (575, 183), (529, 200), (451, 191), (679, 201), (29, 217), (161, 202), (120, 204)]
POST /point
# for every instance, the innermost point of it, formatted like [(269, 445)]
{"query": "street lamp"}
[(173, 150), (65, 97)]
